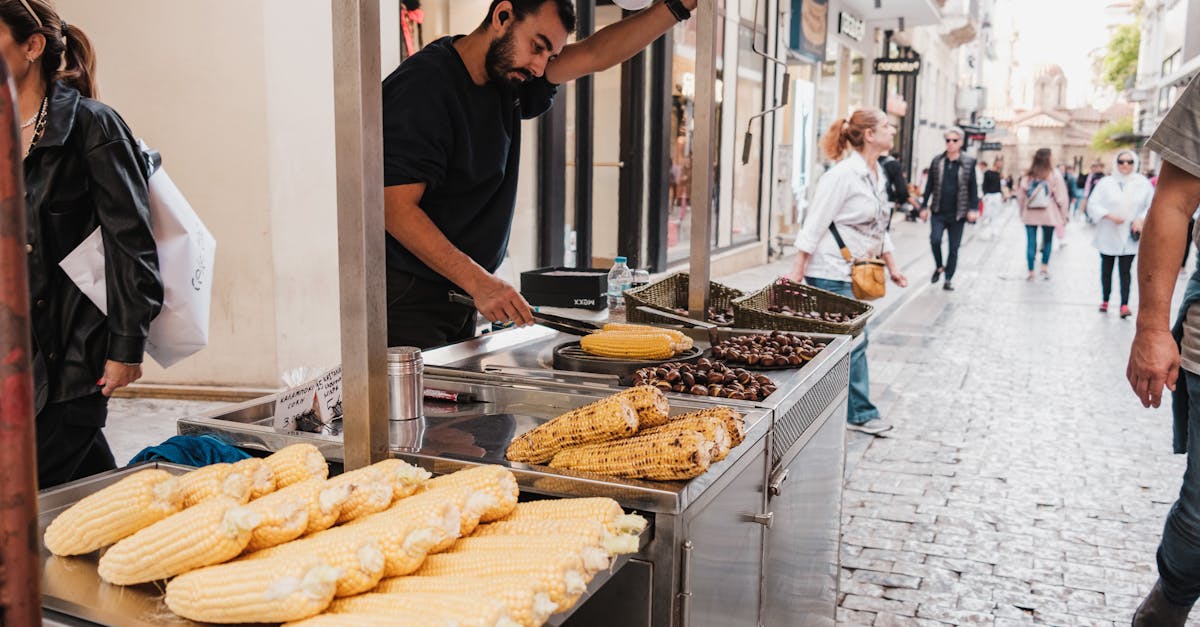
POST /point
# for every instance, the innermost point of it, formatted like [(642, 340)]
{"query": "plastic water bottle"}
[(620, 278)]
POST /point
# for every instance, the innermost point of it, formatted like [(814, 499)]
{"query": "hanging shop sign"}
[(808, 28), (993, 146), (891, 65), (851, 26)]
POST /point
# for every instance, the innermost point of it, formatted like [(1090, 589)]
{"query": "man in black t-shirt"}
[(452, 117), (952, 195)]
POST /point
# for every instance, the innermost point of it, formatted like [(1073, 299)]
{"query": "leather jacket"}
[(86, 171)]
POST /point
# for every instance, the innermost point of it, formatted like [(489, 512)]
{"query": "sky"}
[(1064, 32)]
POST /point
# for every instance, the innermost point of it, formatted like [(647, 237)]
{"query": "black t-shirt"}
[(948, 198), (991, 182), (464, 142)]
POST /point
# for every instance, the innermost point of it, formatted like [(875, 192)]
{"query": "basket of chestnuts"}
[(671, 295), (788, 306)]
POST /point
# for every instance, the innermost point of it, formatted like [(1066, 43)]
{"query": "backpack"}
[(1037, 195)]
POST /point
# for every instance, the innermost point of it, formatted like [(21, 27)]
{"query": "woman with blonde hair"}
[(1045, 203), (851, 196)]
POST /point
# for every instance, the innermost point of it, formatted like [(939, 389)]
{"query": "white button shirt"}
[(854, 198)]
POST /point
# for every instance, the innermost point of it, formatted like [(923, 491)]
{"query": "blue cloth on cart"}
[(192, 450)]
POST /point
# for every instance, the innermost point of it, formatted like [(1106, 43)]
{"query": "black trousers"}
[(1124, 264), (937, 225), (70, 443), (420, 313)]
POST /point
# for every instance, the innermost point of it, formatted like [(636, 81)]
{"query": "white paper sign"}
[(290, 405), (329, 395)]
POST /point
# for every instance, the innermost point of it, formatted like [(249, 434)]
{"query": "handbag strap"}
[(837, 237)]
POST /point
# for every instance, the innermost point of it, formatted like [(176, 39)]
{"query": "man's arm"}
[(409, 224), (1154, 357), (613, 44)]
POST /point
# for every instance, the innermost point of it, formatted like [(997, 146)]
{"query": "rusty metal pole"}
[(20, 594)]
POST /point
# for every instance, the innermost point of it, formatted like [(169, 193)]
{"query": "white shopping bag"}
[(186, 252)]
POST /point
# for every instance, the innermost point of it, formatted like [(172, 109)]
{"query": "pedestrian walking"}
[(993, 191), (851, 198), (1165, 357), (1089, 183), (951, 200), (1118, 207), (1042, 196), (1073, 191), (82, 170)]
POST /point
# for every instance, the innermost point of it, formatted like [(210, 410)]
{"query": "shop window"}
[(747, 179)]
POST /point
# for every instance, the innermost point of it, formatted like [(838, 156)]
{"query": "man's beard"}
[(499, 62)]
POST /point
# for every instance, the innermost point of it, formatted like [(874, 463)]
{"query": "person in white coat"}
[(1118, 207)]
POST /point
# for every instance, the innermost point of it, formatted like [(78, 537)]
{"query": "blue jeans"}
[(1179, 552), (1031, 244), (859, 409)]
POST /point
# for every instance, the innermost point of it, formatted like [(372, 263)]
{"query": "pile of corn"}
[(635, 341), (276, 540), (632, 435)]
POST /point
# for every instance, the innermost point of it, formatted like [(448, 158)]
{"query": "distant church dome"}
[(1048, 70)]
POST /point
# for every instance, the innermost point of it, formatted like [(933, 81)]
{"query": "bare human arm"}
[(612, 44), (408, 223), (889, 261), (1154, 356)]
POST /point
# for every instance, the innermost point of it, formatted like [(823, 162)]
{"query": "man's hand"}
[(500, 302), (1153, 364), (924, 215), (118, 375)]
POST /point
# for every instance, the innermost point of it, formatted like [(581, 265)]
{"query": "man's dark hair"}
[(522, 8)]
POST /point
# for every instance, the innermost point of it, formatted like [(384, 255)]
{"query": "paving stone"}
[(887, 580), (876, 604)]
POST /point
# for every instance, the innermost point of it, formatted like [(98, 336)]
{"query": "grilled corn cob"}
[(296, 463), (470, 610), (262, 480), (215, 480), (711, 427), (284, 518), (682, 341), (370, 492), (560, 573), (606, 419), (497, 481), (735, 424), (600, 508), (594, 555), (209, 533), (266, 591), (623, 345), (115, 512), (591, 530), (650, 403), (668, 456), (526, 604)]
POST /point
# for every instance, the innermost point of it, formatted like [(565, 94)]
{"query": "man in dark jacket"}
[(951, 196)]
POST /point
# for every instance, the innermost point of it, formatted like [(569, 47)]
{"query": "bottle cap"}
[(620, 260)]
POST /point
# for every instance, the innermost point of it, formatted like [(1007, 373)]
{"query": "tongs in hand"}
[(558, 323)]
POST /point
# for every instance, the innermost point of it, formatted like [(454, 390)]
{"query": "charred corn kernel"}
[(594, 554), (603, 509), (296, 463), (284, 518), (628, 345), (209, 533), (560, 573), (374, 620), (115, 512), (590, 529), (604, 420), (260, 591), (497, 481), (667, 456), (708, 425), (469, 610), (650, 403), (370, 492), (526, 604), (211, 481), (262, 480), (682, 341), (735, 424)]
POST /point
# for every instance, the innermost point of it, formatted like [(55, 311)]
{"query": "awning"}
[(887, 16)]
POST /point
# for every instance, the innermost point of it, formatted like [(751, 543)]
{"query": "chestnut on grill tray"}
[(718, 317), (773, 350), (706, 377)]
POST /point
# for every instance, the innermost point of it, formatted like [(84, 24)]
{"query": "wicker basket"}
[(750, 312), (670, 293)]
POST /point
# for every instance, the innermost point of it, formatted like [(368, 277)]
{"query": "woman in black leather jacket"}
[(83, 170)]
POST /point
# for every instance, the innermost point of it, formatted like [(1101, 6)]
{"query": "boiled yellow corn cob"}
[(358, 558), (668, 456), (628, 345), (590, 529), (682, 341), (708, 425), (262, 480), (469, 503), (209, 533), (260, 591), (651, 405), (469, 610), (606, 419), (404, 478), (212, 481), (370, 492), (296, 463), (115, 512), (600, 508), (560, 573), (735, 424), (284, 518), (497, 481), (594, 555), (526, 604), (363, 619)]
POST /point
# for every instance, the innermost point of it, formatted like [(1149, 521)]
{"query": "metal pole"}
[(584, 143), (358, 114), (703, 156), (20, 594)]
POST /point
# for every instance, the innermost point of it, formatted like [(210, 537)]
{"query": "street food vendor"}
[(452, 142)]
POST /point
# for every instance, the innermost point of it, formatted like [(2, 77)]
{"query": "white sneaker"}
[(875, 426)]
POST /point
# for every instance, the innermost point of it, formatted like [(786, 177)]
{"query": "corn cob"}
[(324, 501), (469, 610), (357, 556), (668, 456), (526, 604), (681, 340), (497, 481), (266, 591), (285, 518), (606, 419), (357, 619), (370, 492), (405, 479), (600, 508), (593, 531), (735, 424), (209, 533), (650, 403), (710, 426), (296, 463), (212, 481), (628, 345), (560, 573), (115, 512), (594, 556), (262, 480), (469, 503)]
